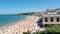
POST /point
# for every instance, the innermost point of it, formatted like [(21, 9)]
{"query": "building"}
[(50, 16)]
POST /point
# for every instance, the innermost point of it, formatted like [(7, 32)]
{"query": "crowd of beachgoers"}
[(21, 26)]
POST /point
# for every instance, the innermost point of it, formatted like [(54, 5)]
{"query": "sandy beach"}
[(21, 26)]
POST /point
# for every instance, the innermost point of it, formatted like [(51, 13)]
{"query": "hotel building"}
[(50, 16)]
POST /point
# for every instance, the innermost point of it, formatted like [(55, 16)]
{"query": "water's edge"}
[(16, 18)]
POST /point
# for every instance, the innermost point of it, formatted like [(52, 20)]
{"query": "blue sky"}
[(18, 6)]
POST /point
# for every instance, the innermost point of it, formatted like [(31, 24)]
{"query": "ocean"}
[(10, 18)]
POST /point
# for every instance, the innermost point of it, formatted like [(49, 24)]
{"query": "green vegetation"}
[(30, 13), (50, 30), (28, 32), (55, 28)]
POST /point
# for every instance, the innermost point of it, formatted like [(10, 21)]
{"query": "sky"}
[(20, 6)]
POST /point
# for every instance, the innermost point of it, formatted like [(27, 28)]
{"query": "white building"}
[(50, 16)]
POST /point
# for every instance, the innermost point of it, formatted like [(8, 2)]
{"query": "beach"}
[(21, 26)]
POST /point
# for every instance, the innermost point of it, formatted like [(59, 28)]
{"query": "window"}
[(57, 19), (58, 12), (51, 19), (46, 19)]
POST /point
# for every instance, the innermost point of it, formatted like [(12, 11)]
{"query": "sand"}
[(21, 26)]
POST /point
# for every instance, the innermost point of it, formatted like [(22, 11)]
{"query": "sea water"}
[(10, 18)]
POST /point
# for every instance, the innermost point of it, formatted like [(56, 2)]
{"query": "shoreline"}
[(12, 23), (23, 25)]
